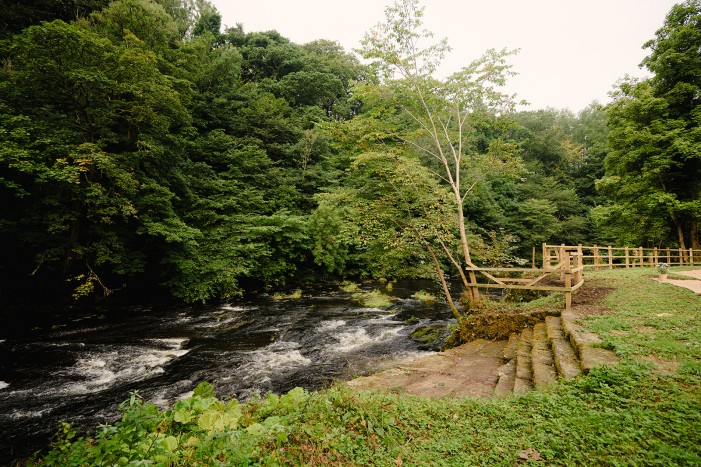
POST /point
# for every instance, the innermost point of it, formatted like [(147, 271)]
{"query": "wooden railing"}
[(569, 267), (603, 257), (568, 262)]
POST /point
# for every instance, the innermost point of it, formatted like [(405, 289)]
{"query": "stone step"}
[(565, 359), (524, 367), (507, 376), (511, 347), (586, 344), (542, 361)]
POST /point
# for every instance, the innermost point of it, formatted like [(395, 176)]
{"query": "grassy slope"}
[(646, 411)]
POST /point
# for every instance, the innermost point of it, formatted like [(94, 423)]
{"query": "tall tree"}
[(443, 120), (654, 167)]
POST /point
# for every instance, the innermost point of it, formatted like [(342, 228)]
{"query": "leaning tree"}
[(450, 125)]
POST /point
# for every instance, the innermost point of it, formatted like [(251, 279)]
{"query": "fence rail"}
[(608, 257), (569, 262), (569, 267)]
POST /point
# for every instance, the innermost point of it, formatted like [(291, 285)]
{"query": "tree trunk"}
[(680, 235), (446, 289), (694, 231), (472, 292)]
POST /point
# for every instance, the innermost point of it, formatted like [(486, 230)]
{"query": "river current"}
[(78, 366)]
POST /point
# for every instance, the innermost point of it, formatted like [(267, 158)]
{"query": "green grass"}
[(294, 295), (349, 287), (651, 320), (640, 412), (424, 296), (374, 299)]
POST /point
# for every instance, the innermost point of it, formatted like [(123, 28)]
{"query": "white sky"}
[(572, 51)]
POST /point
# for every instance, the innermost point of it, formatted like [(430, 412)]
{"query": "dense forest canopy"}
[(145, 150)]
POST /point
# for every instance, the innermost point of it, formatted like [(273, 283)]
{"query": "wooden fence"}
[(569, 267), (607, 257), (569, 261)]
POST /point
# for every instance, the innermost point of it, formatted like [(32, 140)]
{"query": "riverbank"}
[(643, 411)]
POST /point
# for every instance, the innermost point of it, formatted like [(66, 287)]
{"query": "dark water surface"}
[(79, 367)]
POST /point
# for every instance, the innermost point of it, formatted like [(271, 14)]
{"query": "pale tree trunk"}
[(446, 289), (472, 292)]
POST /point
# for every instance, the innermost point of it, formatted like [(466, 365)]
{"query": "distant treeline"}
[(144, 152)]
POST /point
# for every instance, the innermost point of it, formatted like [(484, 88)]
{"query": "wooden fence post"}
[(533, 259), (627, 259), (642, 263), (655, 257), (562, 259), (566, 271), (578, 265), (691, 256), (610, 258), (669, 260), (580, 250), (546, 256), (596, 257)]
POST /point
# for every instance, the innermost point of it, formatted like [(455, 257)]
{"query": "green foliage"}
[(136, 151), (378, 219), (644, 411), (608, 416), (654, 169)]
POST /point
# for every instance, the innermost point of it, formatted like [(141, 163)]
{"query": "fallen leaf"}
[(530, 454)]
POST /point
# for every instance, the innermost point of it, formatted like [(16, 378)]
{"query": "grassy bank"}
[(645, 411)]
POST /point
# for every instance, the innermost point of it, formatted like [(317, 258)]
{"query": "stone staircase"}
[(534, 358), (559, 347)]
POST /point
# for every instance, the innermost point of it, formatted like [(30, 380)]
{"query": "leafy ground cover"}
[(645, 411)]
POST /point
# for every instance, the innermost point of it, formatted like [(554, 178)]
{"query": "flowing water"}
[(79, 367)]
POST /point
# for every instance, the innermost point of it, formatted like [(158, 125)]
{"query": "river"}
[(78, 366)]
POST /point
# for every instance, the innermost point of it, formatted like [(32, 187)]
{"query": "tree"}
[(443, 120), (20, 14), (654, 167), (81, 119)]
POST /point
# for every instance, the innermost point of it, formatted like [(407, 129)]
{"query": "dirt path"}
[(692, 284)]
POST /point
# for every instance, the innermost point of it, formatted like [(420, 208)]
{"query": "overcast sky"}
[(572, 51)]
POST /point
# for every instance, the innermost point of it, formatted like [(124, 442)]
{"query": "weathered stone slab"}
[(522, 385), (566, 361), (564, 356), (524, 367), (591, 357), (469, 370), (511, 347), (553, 325), (507, 376), (586, 344), (542, 358)]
